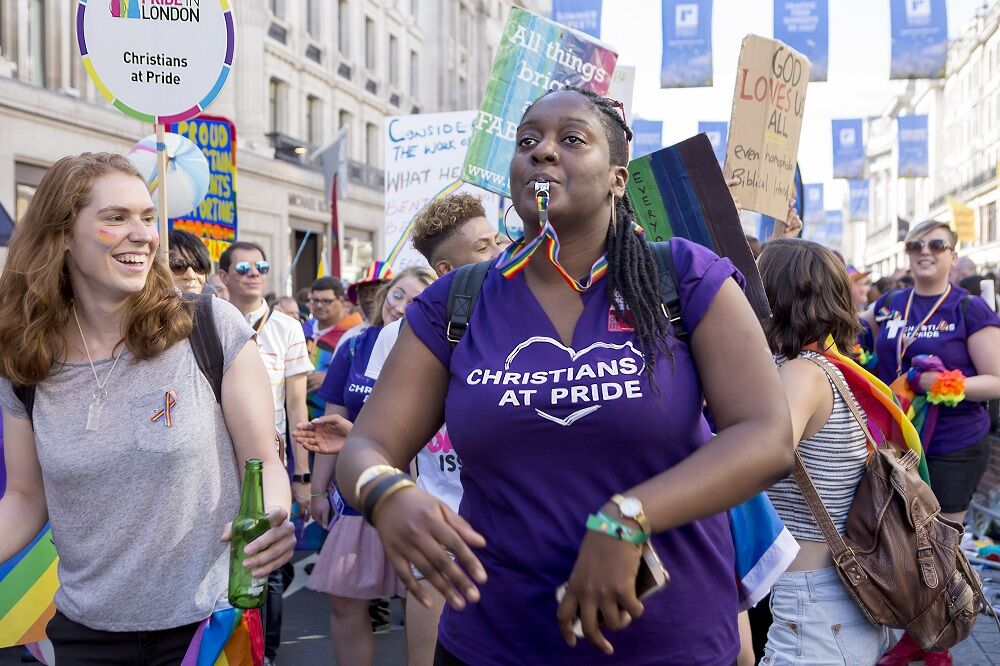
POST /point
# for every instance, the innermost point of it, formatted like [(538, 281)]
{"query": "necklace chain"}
[(100, 386)]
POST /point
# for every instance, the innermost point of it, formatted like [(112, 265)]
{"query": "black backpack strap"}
[(667, 275), (963, 305), (26, 394), (206, 345), (462, 297)]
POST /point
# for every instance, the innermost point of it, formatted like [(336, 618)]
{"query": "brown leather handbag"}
[(900, 560)]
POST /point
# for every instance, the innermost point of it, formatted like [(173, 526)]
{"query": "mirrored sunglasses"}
[(935, 245), (243, 267)]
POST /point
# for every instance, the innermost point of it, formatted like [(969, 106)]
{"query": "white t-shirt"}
[(438, 466), (283, 349)]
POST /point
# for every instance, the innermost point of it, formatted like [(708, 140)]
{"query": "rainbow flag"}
[(28, 583), (229, 637), (886, 419)]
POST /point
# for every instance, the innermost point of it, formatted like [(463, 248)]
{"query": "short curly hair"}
[(439, 220)]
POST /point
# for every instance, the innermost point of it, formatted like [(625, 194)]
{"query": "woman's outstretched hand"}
[(325, 434)]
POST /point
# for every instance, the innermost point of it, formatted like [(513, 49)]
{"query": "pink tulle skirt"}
[(353, 564)]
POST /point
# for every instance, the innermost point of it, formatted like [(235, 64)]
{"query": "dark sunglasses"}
[(935, 245), (244, 267), (180, 266)]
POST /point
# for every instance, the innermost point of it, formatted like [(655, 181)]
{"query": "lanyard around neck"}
[(904, 341)]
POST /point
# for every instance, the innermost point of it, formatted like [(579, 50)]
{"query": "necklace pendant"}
[(93, 416)]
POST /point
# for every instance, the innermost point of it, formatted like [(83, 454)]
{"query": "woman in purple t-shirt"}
[(936, 319), (573, 405)]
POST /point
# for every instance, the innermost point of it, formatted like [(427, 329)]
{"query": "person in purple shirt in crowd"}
[(939, 319), (571, 404)]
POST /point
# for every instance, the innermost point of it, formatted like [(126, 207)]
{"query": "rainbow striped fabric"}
[(886, 419), (28, 583)]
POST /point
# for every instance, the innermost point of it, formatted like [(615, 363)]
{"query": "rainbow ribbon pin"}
[(169, 400)]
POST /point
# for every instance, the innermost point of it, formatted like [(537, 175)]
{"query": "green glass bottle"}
[(245, 591)]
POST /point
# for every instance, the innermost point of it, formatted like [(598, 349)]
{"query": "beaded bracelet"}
[(605, 524)]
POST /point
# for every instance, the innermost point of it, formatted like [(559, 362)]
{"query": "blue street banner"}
[(919, 39), (718, 134), (834, 228), (858, 208), (805, 26), (814, 216), (848, 149), (687, 44), (648, 137), (582, 15), (912, 137), (214, 220)]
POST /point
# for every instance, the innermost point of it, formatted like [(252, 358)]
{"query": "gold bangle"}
[(391, 490), (370, 474)]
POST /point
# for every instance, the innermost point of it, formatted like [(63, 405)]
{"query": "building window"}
[(344, 120), (371, 144), (358, 251), (27, 177), (344, 28), (312, 18), (36, 42), (314, 119), (414, 73), (277, 8), (369, 44), (414, 8), (988, 223), (393, 61), (275, 106)]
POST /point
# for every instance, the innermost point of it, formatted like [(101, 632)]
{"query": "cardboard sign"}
[(535, 55), (160, 62), (963, 220), (423, 162), (768, 104)]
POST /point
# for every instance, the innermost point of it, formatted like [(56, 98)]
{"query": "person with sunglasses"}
[(189, 262), (244, 268), (946, 344), (331, 320)]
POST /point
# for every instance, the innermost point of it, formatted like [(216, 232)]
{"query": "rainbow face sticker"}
[(106, 238)]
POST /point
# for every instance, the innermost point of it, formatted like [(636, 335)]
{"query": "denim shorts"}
[(817, 622)]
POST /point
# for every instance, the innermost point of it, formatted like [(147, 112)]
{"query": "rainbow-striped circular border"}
[(227, 65)]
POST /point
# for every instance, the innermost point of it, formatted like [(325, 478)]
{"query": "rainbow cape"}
[(28, 583), (886, 420)]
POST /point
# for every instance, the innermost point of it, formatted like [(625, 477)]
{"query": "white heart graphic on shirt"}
[(574, 355)]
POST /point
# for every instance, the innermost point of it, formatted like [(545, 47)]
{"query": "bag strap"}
[(462, 297), (667, 275), (206, 345), (26, 394)]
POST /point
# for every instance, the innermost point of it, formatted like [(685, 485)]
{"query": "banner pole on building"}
[(161, 203)]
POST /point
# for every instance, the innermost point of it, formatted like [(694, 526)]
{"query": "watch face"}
[(630, 507)]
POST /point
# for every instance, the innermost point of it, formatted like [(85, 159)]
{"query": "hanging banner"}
[(848, 148), (156, 61), (813, 214), (623, 88), (834, 228), (423, 162), (912, 137), (647, 137), (805, 26), (919, 39), (963, 220), (717, 133), (680, 191), (858, 208), (766, 122), (582, 15), (535, 55), (214, 220), (687, 44)]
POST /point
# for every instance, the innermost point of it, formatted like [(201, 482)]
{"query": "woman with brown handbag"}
[(814, 614)]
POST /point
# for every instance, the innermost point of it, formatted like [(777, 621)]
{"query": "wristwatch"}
[(631, 508), (302, 478)]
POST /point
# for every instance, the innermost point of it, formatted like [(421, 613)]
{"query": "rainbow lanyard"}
[(903, 342), (517, 256)]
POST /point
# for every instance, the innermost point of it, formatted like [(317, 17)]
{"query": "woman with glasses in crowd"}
[(189, 262), (352, 566), (943, 344)]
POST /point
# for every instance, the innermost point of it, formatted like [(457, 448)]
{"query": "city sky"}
[(858, 79)]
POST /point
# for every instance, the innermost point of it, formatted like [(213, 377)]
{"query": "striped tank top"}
[(835, 458)]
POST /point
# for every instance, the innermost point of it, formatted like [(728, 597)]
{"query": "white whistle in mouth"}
[(541, 186)]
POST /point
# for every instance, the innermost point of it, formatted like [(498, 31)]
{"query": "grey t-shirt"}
[(137, 509)]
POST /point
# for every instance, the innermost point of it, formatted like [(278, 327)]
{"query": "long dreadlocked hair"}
[(632, 278)]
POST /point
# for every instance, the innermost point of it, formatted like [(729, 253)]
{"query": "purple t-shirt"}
[(946, 336), (547, 433)]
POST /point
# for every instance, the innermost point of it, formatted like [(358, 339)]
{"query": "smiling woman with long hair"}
[(121, 445), (572, 405)]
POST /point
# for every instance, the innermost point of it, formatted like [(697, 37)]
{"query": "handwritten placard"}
[(768, 104)]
